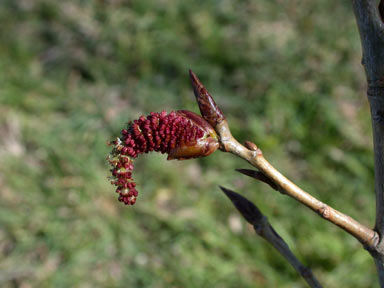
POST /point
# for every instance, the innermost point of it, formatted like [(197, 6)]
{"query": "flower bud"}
[(208, 108), (181, 134)]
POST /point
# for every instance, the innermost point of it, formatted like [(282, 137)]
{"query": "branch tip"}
[(381, 10), (208, 108)]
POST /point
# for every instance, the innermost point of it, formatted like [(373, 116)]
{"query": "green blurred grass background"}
[(286, 73)]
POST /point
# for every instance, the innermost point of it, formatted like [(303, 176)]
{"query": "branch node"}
[(250, 145), (325, 211)]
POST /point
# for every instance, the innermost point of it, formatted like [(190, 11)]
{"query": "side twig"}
[(264, 229), (254, 156)]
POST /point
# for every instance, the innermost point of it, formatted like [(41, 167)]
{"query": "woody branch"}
[(368, 237), (369, 18)]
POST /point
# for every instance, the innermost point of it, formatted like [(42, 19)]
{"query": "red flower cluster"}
[(181, 134)]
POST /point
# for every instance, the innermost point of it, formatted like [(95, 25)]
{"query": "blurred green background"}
[(288, 76)]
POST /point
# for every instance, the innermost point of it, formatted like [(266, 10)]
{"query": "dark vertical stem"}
[(376, 101), (372, 40), (371, 28)]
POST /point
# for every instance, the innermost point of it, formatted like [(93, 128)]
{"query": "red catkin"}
[(160, 132)]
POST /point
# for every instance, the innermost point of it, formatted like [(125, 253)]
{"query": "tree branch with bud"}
[(185, 135), (252, 154)]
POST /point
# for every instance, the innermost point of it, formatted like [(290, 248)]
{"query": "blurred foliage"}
[(286, 73)]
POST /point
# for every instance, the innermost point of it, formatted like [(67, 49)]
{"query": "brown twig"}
[(366, 236), (264, 229)]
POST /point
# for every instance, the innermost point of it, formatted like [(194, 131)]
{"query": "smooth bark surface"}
[(369, 19), (371, 30)]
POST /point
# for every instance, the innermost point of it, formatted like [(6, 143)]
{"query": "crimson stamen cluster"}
[(160, 132)]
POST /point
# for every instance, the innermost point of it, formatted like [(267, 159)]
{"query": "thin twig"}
[(366, 236), (264, 229), (362, 233)]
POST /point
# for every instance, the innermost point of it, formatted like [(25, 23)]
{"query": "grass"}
[(288, 77)]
